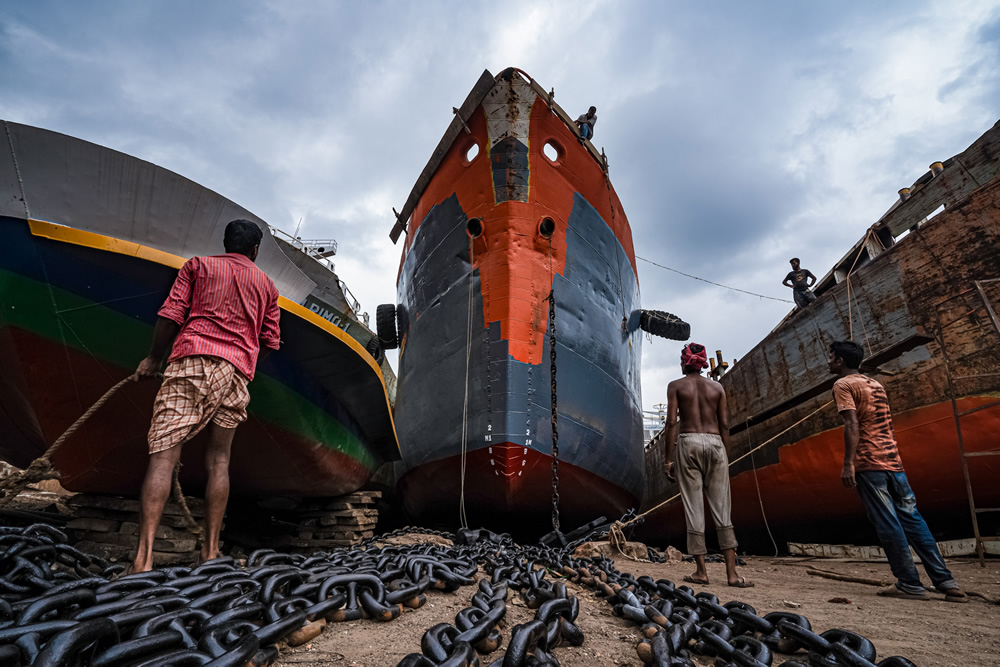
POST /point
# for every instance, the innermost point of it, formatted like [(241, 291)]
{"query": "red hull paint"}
[(108, 454), (496, 494), (805, 484)]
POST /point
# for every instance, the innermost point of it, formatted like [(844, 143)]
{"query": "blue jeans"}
[(892, 507), (585, 131)]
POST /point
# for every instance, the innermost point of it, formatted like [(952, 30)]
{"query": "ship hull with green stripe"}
[(91, 243)]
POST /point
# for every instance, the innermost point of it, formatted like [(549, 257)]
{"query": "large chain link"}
[(60, 606), (555, 412)]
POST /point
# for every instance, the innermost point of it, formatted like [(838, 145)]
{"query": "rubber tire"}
[(385, 325), (665, 325), (375, 349)]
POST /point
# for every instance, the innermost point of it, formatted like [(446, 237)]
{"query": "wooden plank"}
[(119, 504), (174, 521), (163, 544), (964, 173), (357, 513), (949, 549), (474, 99), (162, 531), (95, 525), (348, 521)]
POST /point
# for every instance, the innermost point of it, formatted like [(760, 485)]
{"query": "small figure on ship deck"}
[(586, 122), (224, 313), (872, 466), (800, 280), (696, 407)]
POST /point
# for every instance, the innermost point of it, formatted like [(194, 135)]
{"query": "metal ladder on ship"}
[(969, 317)]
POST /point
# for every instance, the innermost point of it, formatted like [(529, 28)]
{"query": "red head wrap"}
[(694, 356)]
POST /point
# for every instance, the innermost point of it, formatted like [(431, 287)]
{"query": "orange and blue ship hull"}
[(514, 208)]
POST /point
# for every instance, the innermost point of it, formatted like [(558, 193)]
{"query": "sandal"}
[(955, 595), (895, 591), (691, 580), (742, 582)]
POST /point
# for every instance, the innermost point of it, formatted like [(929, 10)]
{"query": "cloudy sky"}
[(738, 134)]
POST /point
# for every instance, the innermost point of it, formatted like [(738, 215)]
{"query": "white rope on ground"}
[(735, 289), (462, 518)]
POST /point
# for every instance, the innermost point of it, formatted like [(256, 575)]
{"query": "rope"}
[(192, 524), (735, 289), (555, 410), (618, 540), (850, 309), (553, 398), (619, 525), (760, 500), (462, 518), (41, 468)]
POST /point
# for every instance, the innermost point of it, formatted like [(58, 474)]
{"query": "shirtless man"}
[(696, 407)]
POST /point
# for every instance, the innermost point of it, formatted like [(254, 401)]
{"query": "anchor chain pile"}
[(59, 606)]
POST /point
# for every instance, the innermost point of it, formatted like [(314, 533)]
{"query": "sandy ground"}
[(933, 632)]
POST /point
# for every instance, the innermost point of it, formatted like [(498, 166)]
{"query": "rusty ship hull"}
[(514, 207), (920, 294)]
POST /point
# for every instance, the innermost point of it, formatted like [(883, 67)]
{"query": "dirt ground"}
[(931, 632)]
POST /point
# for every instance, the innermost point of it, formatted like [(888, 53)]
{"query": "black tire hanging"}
[(375, 349), (665, 325), (385, 325)]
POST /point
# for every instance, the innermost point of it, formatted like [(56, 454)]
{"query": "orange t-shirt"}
[(876, 439)]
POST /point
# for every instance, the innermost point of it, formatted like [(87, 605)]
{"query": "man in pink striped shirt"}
[(222, 315)]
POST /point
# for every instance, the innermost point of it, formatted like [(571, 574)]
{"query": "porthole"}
[(474, 228), (546, 227), (472, 152), (551, 151)]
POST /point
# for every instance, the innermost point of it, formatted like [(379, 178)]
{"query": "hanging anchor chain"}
[(555, 412)]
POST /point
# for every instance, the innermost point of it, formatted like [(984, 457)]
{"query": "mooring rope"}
[(462, 518), (41, 468)]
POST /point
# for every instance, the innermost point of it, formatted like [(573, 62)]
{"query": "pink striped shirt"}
[(227, 308)]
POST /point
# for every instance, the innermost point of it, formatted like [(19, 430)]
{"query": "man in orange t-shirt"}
[(872, 465)]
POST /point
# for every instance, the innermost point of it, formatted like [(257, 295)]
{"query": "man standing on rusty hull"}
[(223, 311), (872, 466), (696, 407), (800, 280)]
